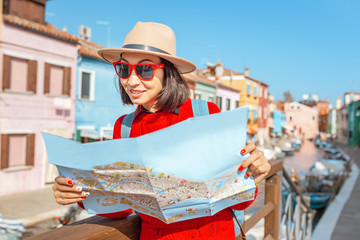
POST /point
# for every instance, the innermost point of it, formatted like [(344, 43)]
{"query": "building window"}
[(19, 75), (228, 104), (17, 150), (236, 104), (254, 114), (260, 112), (313, 118), (210, 99), (265, 113), (248, 89), (87, 85), (255, 91), (290, 118), (219, 102), (260, 91), (265, 93), (197, 96), (57, 80)]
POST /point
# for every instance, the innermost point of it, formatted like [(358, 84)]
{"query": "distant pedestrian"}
[(150, 76)]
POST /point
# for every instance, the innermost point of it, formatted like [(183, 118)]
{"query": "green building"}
[(353, 124), (205, 89)]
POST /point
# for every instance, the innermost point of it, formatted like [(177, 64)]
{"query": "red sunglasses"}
[(143, 71)]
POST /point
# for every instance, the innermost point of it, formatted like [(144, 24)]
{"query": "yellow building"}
[(249, 93), (247, 86)]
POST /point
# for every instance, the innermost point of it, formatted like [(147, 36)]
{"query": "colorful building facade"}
[(98, 103), (353, 126), (37, 92), (279, 122), (263, 114), (303, 119), (332, 123), (227, 98)]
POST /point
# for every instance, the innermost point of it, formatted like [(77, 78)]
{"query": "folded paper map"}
[(185, 171)]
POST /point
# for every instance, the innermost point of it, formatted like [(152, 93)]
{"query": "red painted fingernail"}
[(70, 182), (247, 175), (243, 151), (241, 168), (83, 197)]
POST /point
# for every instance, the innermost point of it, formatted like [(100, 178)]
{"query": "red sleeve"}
[(117, 127), (244, 205), (213, 108)]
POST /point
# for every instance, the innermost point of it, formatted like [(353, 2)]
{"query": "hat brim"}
[(113, 55)]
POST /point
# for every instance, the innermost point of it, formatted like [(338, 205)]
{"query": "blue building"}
[(278, 122), (98, 103)]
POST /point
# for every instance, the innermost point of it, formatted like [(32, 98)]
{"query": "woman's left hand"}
[(257, 164)]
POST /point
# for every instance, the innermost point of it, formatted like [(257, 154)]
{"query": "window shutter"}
[(4, 151), (30, 149), (67, 81), (47, 78), (6, 72), (32, 75)]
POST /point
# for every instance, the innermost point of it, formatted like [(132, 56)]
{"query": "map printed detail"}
[(117, 181)]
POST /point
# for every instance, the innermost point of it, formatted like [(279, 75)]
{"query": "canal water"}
[(301, 161)]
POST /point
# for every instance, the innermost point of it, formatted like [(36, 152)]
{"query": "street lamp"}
[(108, 30)]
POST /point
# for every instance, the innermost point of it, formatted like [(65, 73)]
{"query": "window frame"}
[(31, 79), (92, 84), (30, 151), (228, 104), (219, 102), (66, 83)]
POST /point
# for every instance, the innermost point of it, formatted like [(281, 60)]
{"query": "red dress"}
[(218, 226)]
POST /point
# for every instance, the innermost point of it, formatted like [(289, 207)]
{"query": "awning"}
[(288, 128), (273, 127), (89, 133), (108, 134), (252, 131)]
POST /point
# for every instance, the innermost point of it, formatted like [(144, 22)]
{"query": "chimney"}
[(219, 70), (338, 102), (32, 10), (247, 72)]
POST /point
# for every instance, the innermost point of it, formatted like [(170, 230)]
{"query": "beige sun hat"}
[(150, 38)]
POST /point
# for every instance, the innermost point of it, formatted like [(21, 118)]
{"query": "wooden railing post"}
[(272, 195)]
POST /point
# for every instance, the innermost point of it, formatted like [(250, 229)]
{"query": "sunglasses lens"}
[(145, 71), (123, 70)]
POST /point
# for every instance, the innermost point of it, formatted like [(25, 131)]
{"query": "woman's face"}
[(143, 92)]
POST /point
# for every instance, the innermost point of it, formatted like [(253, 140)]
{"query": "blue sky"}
[(309, 46)]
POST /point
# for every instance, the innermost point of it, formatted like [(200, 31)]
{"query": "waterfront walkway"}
[(347, 226), (35, 208)]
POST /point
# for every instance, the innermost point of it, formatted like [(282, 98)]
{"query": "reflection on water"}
[(301, 161)]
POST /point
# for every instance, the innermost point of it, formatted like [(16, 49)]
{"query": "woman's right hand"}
[(66, 193)]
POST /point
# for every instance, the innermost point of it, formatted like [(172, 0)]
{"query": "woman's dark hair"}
[(174, 93)]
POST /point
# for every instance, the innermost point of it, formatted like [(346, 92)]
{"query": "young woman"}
[(150, 76)]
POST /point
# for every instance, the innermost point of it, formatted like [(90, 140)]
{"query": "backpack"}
[(200, 108)]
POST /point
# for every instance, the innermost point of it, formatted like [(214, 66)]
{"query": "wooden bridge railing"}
[(271, 209), (97, 228)]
